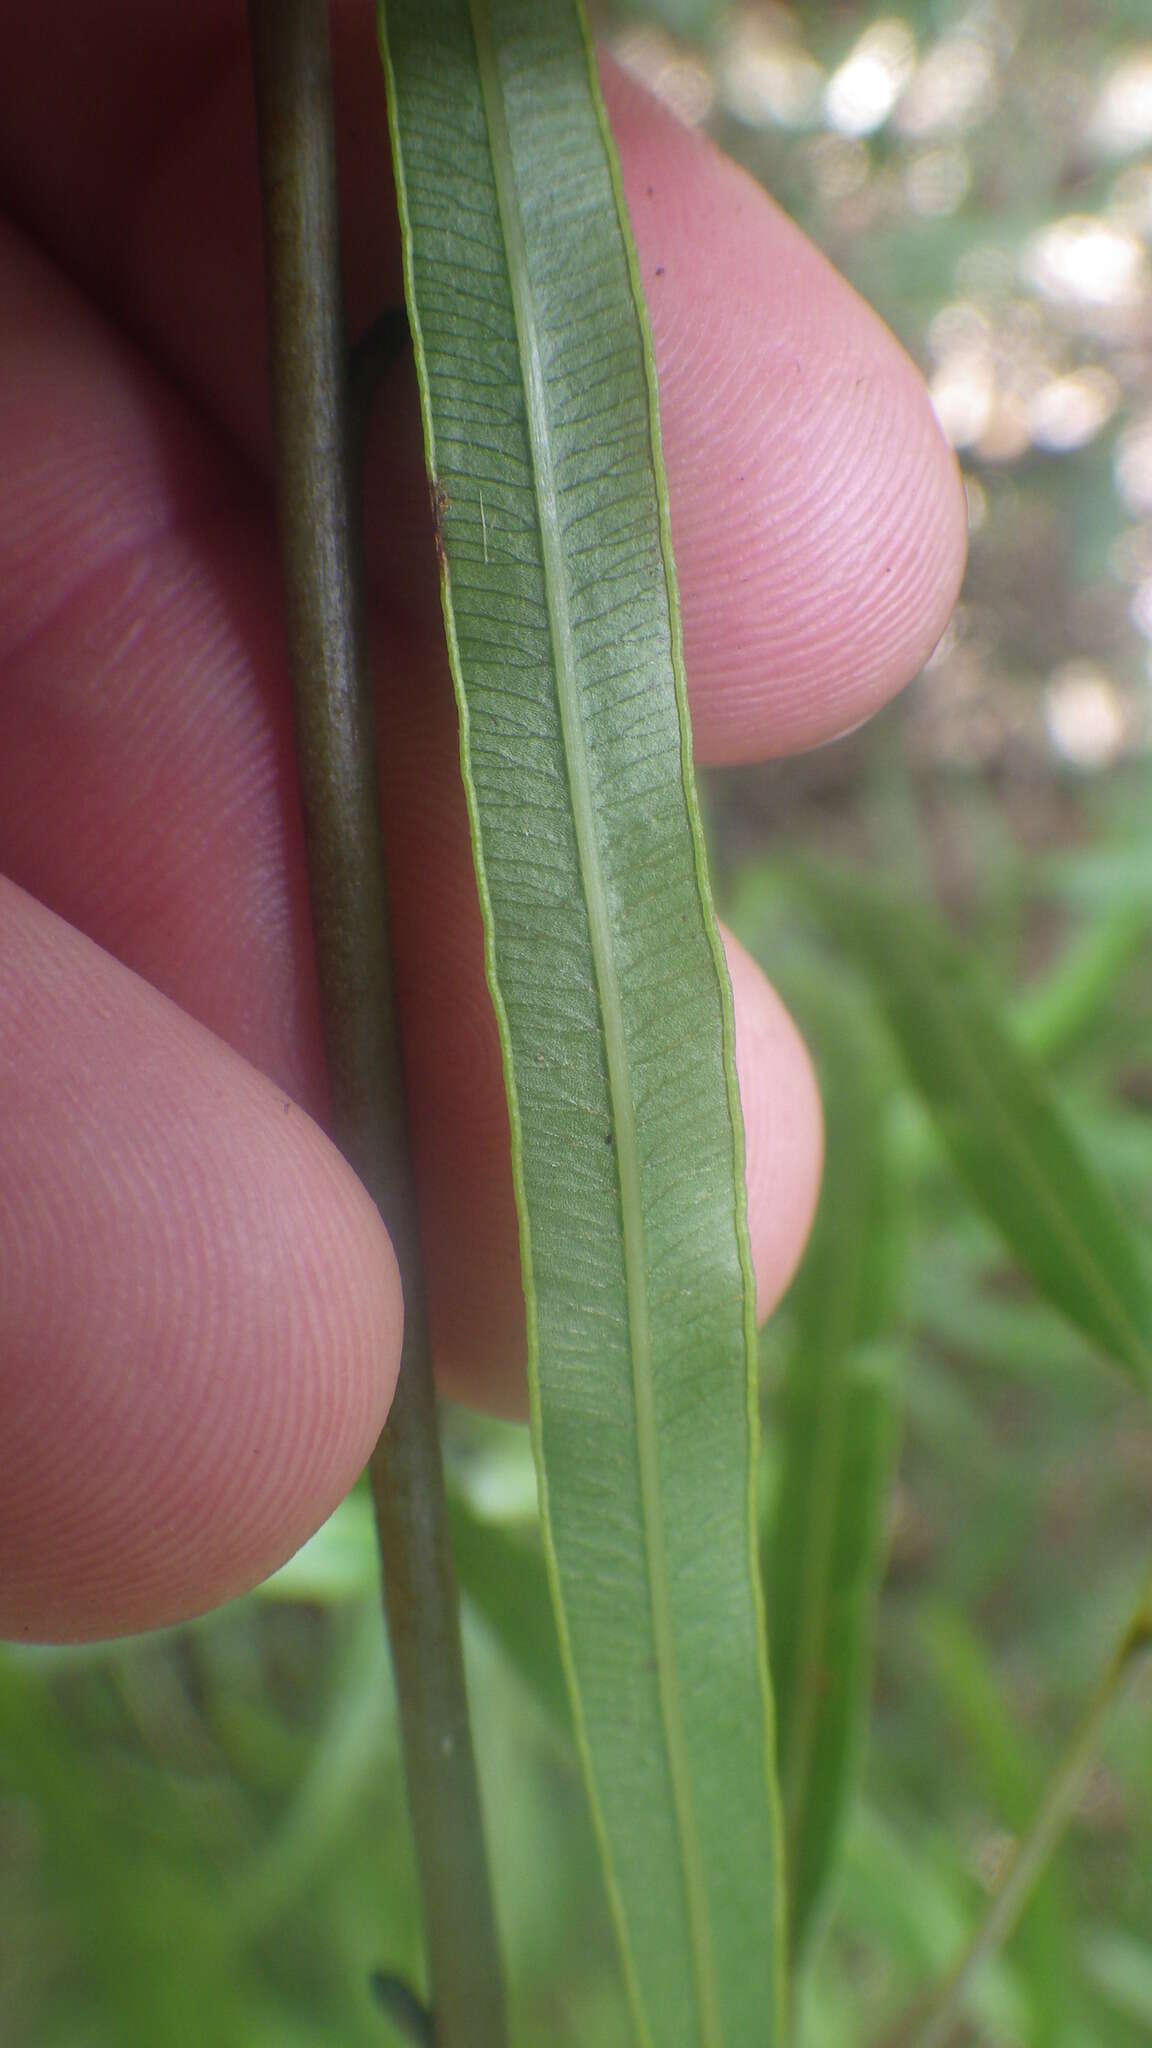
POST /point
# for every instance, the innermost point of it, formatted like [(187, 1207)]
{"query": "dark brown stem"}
[(320, 531)]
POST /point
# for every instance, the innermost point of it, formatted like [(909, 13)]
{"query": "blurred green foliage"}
[(202, 1834)]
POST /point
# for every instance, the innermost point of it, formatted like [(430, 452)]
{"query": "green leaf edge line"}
[(702, 1962)]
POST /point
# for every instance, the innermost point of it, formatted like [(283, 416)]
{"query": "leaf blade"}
[(823, 1556), (1000, 1120), (604, 963)]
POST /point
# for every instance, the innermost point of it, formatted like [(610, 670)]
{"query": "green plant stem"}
[(1032, 1854), (321, 543)]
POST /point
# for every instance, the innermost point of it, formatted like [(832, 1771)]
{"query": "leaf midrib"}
[(612, 1020)]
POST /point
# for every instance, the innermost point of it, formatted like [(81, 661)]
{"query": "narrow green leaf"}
[(1000, 1120), (828, 1681), (824, 1549), (609, 985), (1058, 1012)]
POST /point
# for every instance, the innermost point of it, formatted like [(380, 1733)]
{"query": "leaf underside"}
[(608, 981)]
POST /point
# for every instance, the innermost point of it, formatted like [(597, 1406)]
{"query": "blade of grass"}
[(1056, 1014), (824, 1543), (999, 1118), (612, 1000), (823, 1686)]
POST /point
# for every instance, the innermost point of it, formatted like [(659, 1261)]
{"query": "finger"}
[(817, 513), (147, 767), (147, 794), (816, 510), (783, 1127), (200, 1313)]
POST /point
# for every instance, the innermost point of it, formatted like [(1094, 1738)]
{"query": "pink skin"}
[(200, 1315)]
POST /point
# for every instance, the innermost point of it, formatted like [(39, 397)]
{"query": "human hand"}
[(199, 1312)]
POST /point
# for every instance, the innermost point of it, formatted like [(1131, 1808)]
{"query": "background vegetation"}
[(202, 1835)]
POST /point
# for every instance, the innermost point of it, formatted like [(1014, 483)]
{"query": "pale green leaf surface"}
[(609, 985), (1001, 1121)]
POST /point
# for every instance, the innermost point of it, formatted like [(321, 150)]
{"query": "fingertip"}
[(201, 1320), (817, 510), (783, 1127)]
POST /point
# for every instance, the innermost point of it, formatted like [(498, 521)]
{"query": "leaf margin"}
[(777, 1933)]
